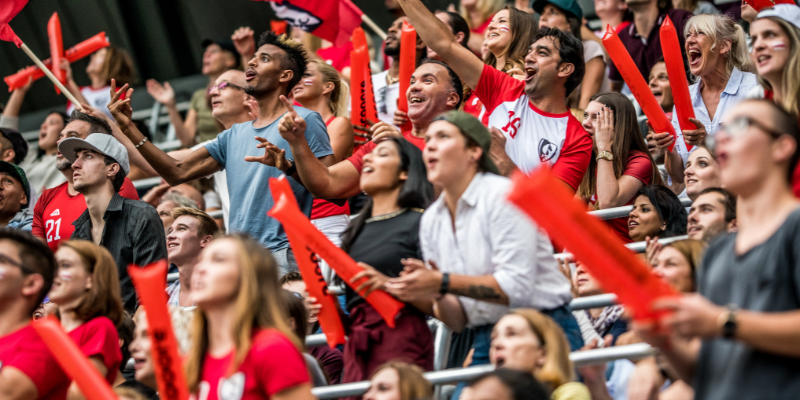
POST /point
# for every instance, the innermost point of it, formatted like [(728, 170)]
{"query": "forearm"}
[(186, 138), (448, 310), (134, 155), (76, 91), (607, 185), (776, 333), (682, 356), (502, 161), (433, 32), (14, 104), (317, 177), (483, 288), (159, 161), (673, 163)]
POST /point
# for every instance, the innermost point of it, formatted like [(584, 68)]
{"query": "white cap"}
[(787, 12), (102, 143)]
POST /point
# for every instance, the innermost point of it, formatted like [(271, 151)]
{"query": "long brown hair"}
[(692, 250), (522, 32), (410, 380), (119, 66), (259, 304), (627, 138), (103, 299), (557, 369)]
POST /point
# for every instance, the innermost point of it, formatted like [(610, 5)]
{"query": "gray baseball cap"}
[(102, 143)]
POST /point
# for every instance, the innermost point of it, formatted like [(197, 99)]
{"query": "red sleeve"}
[(640, 167), (495, 87), (128, 191), (357, 159), (38, 228), (32, 357), (574, 158), (281, 365), (100, 338)]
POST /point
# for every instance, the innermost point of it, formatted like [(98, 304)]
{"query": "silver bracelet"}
[(140, 143)]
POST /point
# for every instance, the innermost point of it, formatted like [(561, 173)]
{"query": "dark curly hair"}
[(295, 59)]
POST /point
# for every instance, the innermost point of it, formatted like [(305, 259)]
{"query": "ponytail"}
[(340, 93)]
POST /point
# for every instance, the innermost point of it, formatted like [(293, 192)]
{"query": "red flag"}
[(277, 26), (8, 10), (332, 20)]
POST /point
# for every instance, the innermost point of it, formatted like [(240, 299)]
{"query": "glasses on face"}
[(739, 126), (223, 85), (6, 260)]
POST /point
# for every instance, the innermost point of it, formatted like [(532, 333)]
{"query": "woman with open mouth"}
[(87, 293), (776, 52), (657, 212), (717, 53)]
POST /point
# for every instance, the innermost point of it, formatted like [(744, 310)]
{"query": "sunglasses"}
[(223, 85)]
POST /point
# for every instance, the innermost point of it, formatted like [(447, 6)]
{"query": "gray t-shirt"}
[(248, 183), (764, 279)]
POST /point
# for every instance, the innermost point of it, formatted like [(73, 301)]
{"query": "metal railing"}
[(636, 247), (579, 358), (617, 212)]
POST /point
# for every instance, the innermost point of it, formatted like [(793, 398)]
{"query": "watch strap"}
[(445, 283)]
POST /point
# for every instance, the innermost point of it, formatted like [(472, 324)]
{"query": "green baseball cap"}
[(570, 7), (17, 173), (473, 129)]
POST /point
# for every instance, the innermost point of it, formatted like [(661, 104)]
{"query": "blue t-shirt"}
[(248, 182)]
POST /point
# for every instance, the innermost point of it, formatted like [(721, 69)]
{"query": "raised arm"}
[(197, 165), (438, 37)]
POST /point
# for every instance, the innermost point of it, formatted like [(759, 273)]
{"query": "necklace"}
[(391, 81)]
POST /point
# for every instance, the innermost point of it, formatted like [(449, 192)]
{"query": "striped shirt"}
[(133, 234)]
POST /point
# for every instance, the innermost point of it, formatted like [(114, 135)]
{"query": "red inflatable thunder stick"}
[(75, 53), (640, 89), (671, 48), (72, 361), (308, 264), (56, 49), (298, 227), (149, 283), (358, 91), (408, 62), (545, 199)]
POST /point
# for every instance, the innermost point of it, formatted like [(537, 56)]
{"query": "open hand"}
[(121, 109), (291, 127), (252, 106), (161, 93), (273, 155), (243, 41), (652, 250), (604, 130)]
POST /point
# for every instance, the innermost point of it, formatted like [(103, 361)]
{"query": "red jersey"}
[(533, 136), (474, 107), (99, 337), (324, 208), (56, 210), (25, 351), (639, 167), (272, 365), (357, 159)]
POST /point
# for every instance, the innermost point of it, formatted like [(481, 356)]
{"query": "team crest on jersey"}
[(547, 150), (296, 16), (231, 388)]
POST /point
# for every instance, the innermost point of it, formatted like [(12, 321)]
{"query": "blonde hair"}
[(103, 299), (557, 369), (340, 95), (720, 28), (258, 305), (411, 382), (487, 9), (791, 71)]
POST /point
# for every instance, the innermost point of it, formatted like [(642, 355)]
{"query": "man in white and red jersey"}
[(28, 369), (534, 125), (435, 88), (59, 207)]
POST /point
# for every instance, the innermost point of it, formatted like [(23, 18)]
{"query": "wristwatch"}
[(605, 155), (445, 283), (727, 321), (291, 170)]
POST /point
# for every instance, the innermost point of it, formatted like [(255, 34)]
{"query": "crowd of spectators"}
[(498, 89)]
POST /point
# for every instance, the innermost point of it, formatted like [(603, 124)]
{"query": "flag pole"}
[(50, 75), (372, 25)]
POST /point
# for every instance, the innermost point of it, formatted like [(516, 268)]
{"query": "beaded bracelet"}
[(140, 143)]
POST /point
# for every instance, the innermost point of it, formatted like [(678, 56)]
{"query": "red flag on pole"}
[(8, 10), (332, 20)]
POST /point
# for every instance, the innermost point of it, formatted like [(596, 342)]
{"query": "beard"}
[(257, 89), (392, 51), (63, 165)]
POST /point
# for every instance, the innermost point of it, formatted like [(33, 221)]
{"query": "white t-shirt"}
[(385, 97), (98, 99), (592, 49), (533, 136)]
